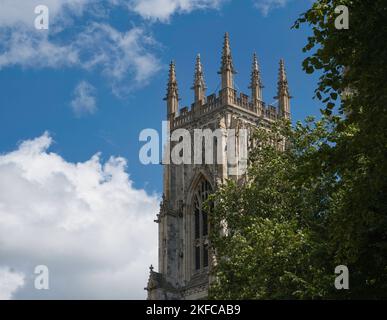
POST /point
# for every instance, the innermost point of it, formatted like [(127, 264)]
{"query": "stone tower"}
[(184, 254)]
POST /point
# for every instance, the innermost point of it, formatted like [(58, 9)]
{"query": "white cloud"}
[(10, 282), (265, 6), (163, 9), (118, 54), (85, 221), (16, 12), (99, 47), (21, 47), (95, 46), (84, 100)]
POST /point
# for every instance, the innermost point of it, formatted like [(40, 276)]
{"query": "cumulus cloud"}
[(84, 100), (17, 12), (99, 47), (10, 281), (265, 6), (163, 9), (21, 47), (85, 221), (95, 46), (118, 53)]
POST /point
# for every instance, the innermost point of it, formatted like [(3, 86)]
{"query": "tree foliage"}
[(323, 201)]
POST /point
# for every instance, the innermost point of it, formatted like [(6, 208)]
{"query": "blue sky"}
[(34, 99), (73, 194)]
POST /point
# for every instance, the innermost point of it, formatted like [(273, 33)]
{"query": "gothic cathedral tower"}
[(184, 255)]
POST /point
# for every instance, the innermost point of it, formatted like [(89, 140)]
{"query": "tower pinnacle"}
[(199, 85), (227, 68), (256, 82), (172, 96), (283, 95)]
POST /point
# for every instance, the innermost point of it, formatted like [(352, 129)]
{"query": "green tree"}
[(269, 232), (354, 66), (323, 201)]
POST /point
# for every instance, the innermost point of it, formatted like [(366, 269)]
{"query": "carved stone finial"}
[(172, 81), (283, 87), (256, 82), (227, 67), (199, 85), (283, 95), (172, 96)]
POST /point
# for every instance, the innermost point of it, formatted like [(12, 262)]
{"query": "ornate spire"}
[(199, 86), (172, 82), (283, 95), (227, 68), (283, 87), (256, 82), (172, 96)]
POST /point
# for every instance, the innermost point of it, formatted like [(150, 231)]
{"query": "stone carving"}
[(178, 276)]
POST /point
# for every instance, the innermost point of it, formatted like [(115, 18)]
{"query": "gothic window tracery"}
[(201, 225)]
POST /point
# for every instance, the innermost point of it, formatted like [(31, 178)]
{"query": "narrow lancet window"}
[(201, 226)]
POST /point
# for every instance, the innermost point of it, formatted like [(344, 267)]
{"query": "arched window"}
[(200, 217)]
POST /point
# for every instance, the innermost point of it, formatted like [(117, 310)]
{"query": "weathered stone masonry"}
[(184, 258)]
